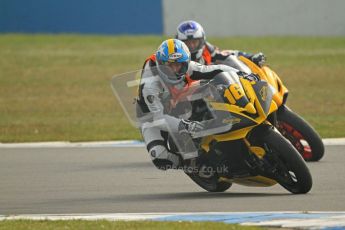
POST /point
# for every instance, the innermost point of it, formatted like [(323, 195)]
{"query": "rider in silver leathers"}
[(153, 102)]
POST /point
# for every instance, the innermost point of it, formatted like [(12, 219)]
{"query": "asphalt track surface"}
[(121, 180)]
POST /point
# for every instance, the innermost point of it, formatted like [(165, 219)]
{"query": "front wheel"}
[(301, 134), (289, 168)]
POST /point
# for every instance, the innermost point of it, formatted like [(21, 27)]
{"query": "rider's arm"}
[(258, 58), (239, 53), (164, 121), (227, 58), (151, 95), (197, 71)]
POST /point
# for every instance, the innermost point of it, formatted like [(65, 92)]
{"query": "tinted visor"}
[(174, 70), (194, 44)]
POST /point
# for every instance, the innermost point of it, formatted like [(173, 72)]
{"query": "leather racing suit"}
[(152, 106)]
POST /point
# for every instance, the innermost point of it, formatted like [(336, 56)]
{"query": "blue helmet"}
[(172, 51)]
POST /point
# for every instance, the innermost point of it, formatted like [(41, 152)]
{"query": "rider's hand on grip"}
[(251, 77), (248, 76), (191, 127), (259, 59)]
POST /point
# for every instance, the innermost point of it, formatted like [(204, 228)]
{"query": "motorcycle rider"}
[(169, 72), (193, 35)]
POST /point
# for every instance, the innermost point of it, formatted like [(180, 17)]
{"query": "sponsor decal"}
[(175, 56), (263, 93), (231, 120), (190, 32)]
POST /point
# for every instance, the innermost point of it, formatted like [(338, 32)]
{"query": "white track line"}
[(334, 141), (313, 223), (112, 144), (305, 220), (61, 144)]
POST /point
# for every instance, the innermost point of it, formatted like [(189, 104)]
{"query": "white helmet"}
[(191, 30)]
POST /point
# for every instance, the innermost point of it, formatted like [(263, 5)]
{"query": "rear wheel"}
[(289, 168), (301, 134)]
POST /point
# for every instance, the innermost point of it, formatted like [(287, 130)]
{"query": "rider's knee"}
[(162, 158), (159, 157)]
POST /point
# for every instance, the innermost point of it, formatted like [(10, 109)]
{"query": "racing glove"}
[(259, 59), (190, 127), (250, 77)]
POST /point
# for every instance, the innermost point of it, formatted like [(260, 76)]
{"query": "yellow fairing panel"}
[(234, 135), (267, 74), (254, 68)]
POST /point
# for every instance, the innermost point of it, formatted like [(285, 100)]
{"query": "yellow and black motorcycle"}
[(242, 146), (238, 143), (297, 130)]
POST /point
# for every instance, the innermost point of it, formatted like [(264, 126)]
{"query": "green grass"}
[(142, 225), (57, 87)]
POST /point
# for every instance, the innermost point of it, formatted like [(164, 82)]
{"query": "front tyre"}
[(290, 170), (301, 134)]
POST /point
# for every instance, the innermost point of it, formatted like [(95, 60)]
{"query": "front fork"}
[(256, 160)]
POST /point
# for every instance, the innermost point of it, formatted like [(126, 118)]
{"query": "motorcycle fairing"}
[(280, 92), (259, 93)]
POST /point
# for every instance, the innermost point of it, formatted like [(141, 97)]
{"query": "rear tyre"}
[(290, 171), (301, 134)]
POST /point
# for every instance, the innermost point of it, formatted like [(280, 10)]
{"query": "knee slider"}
[(163, 159), (158, 152), (159, 155)]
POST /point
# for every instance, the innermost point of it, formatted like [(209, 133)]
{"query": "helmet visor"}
[(194, 44), (173, 70)]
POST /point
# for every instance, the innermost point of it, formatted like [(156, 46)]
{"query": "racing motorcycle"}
[(250, 151), (293, 127), (238, 144)]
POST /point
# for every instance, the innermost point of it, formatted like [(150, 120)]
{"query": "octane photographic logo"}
[(203, 169), (207, 170)]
